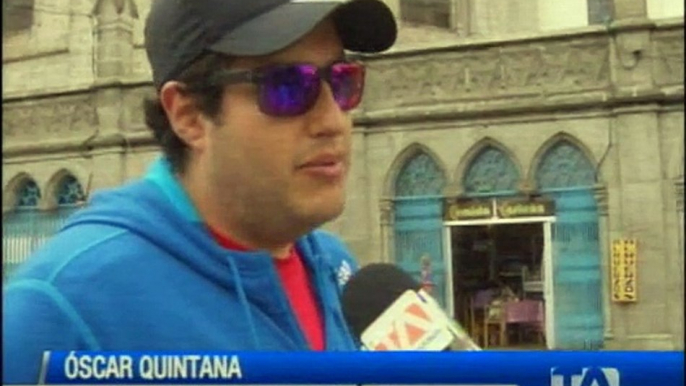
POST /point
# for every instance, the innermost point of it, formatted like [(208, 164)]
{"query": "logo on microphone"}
[(410, 323), (587, 376)]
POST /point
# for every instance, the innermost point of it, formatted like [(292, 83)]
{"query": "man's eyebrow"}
[(340, 58)]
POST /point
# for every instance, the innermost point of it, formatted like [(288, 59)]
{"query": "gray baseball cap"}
[(178, 31)]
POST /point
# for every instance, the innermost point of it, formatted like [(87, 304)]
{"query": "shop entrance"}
[(500, 282)]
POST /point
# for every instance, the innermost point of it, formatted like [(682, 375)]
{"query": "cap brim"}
[(366, 26)]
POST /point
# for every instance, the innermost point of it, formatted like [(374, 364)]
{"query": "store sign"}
[(464, 209), (468, 210), (525, 208), (623, 270)]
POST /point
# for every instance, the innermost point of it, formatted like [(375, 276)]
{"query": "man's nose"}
[(326, 118)]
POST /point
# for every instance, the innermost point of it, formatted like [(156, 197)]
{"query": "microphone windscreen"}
[(371, 291)]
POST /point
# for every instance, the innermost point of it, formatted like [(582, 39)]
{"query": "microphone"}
[(387, 310)]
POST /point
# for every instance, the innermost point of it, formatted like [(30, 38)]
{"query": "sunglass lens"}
[(347, 84), (289, 90)]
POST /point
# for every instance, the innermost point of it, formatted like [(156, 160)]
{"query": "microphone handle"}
[(462, 341)]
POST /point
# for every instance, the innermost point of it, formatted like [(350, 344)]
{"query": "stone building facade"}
[(485, 101)]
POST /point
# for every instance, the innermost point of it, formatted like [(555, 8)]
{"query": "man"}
[(216, 247)]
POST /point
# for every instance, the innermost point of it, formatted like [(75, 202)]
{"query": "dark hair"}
[(207, 96)]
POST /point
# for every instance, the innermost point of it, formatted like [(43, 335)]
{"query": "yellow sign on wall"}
[(623, 270)]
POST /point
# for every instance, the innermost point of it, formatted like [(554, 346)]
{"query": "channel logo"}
[(410, 323), (586, 376)]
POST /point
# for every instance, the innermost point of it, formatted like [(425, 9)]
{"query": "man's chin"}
[(319, 215)]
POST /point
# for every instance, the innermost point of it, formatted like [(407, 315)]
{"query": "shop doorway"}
[(501, 291)]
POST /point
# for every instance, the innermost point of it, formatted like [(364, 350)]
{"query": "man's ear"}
[(184, 116)]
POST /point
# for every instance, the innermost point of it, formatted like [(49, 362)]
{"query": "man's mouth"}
[(328, 165)]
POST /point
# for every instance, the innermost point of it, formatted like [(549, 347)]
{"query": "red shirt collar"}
[(229, 243)]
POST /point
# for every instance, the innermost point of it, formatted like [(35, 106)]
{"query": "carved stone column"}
[(631, 47), (6, 209), (114, 38), (526, 187), (453, 189), (108, 166), (113, 64), (9, 198), (679, 188), (600, 193), (387, 236), (460, 15)]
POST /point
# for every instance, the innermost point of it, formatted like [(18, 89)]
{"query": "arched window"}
[(418, 222), (28, 195), (491, 171), (26, 228), (564, 165), (567, 175), (69, 192), (420, 176), (18, 227)]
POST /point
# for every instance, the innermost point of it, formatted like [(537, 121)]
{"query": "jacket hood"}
[(172, 224)]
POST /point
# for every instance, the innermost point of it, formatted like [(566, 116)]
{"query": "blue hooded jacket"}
[(137, 270)]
